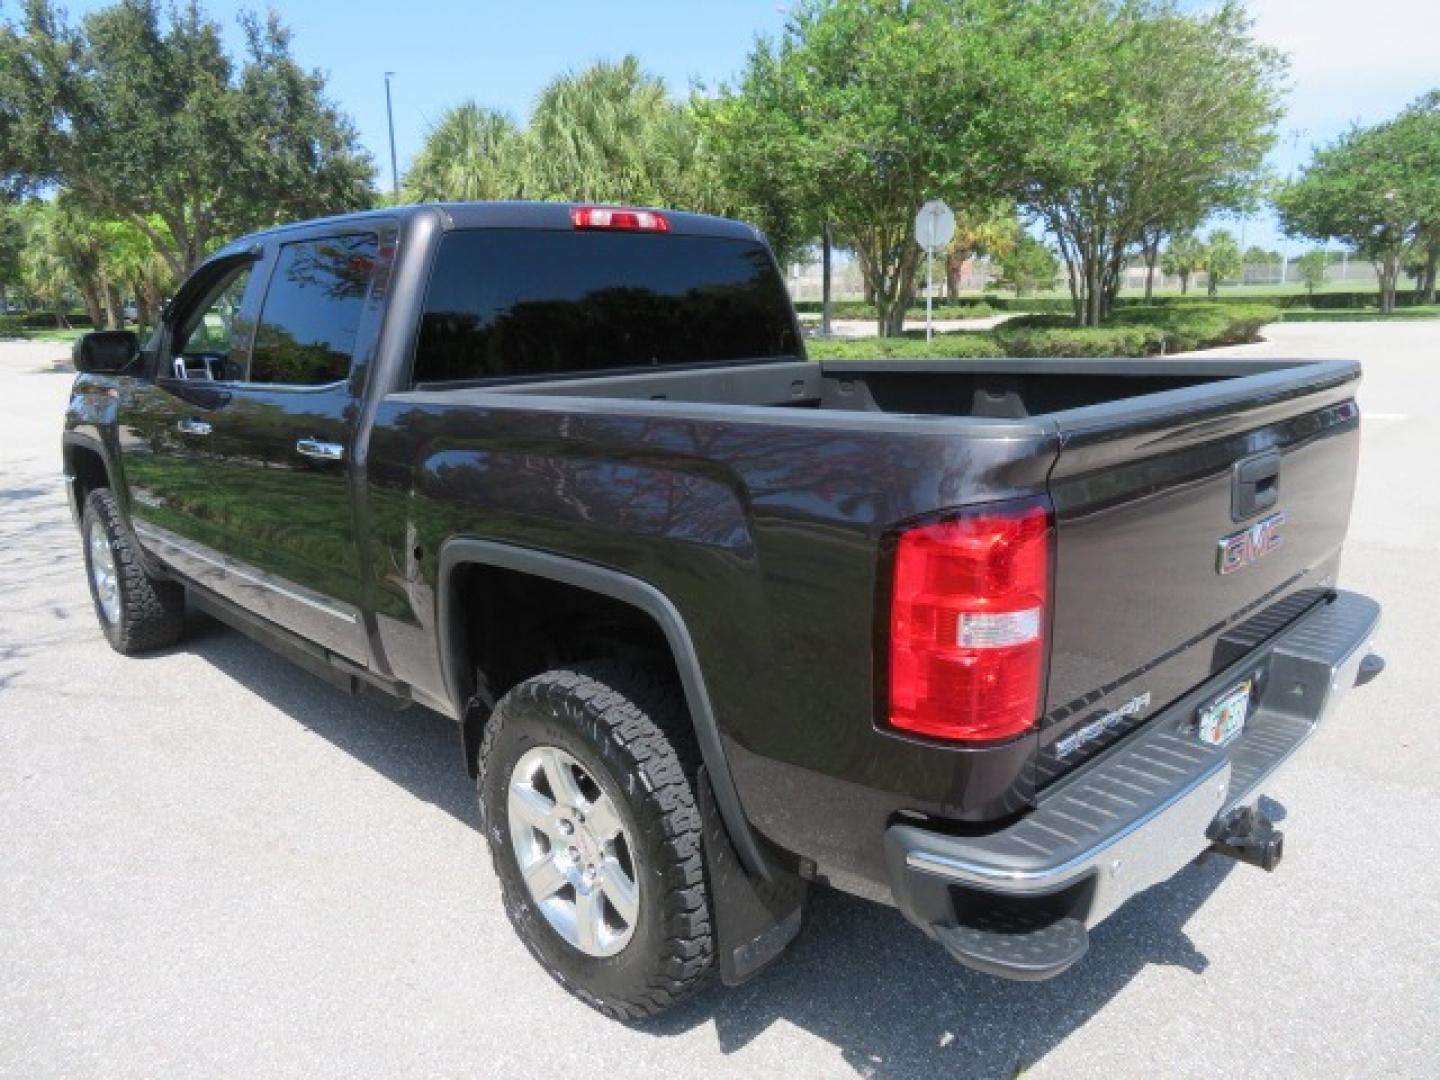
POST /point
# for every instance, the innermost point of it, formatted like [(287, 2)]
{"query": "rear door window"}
[(509, 302), (312, 310)]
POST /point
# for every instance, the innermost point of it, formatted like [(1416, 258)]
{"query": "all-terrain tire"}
[(151, 612), (628, 728)]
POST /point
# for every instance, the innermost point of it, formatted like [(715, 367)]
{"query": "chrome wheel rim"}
[(573, 851), (102, 574)]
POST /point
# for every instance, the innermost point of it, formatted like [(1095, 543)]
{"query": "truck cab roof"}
[(501, 215)]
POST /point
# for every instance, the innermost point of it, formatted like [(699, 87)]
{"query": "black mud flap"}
[(754, 919)]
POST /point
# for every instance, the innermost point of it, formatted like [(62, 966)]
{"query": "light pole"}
[(1295, 134), (390, 117)]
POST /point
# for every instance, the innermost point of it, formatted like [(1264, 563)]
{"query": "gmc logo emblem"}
[(1239, 550)]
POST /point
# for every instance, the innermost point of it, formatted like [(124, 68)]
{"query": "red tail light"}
[(607, 217), (967, 625)]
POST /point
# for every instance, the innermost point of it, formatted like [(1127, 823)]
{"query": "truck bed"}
[(783, 481), (990, 389)]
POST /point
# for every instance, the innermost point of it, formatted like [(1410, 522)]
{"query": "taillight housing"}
[(618, 218), (969, 612)]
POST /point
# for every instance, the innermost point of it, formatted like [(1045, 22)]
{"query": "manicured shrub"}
[(1136, 331), (960, 345), (858, 309)]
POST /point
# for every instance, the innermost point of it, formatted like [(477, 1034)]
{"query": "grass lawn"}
[(62, 337), (1431, 311)]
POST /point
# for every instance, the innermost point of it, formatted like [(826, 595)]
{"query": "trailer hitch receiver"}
[(1248, 836)]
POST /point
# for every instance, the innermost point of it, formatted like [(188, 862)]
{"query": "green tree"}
[(608, 134), (1120, 149), (863, 109), (1427, 281), (1376, 189), (11, 246), (611, 133), (1258, 256), (46, 271), (64, 252), (1311, 267), (1221, 259), (990, 230), (1028, 267), (1421, 266), (754, 147), (146, 119), (131, 259), (1183, 258), (17, 149), (470, 153)]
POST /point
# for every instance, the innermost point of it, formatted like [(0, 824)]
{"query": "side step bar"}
[(336, 670)]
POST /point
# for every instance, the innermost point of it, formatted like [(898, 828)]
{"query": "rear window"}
[(510, 302)]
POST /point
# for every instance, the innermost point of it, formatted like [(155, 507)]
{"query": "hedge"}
[(17, 325), (1370, 315), (944, 309), (1140, 331), (962, 344), (990, 305)]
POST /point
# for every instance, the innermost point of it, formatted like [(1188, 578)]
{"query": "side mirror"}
[(105, 352)]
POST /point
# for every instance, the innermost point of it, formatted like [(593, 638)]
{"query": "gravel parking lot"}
[(213, 864)]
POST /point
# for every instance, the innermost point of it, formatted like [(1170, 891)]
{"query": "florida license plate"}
[(1222, 721)]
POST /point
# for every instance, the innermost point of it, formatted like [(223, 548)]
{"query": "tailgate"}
[(1190, 526)]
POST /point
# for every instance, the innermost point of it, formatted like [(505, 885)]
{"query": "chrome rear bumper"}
[(1137, 814)]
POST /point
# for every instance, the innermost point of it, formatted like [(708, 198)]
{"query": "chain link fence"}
[(1343, 273)]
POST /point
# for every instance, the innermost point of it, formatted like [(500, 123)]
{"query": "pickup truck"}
[(1002, 643)]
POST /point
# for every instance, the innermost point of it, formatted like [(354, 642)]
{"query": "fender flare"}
[(461, 551), (79, 440)]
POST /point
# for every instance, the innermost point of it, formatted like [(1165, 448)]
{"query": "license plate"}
[(1222, 721)]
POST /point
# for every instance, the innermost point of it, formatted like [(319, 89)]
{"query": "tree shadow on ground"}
[(415, 747), (859, 977)]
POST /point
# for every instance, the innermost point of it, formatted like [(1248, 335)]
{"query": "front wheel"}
[(137, 612), (587, 798)]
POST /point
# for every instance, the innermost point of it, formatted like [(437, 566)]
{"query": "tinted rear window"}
[(312, 311), (508, 302)]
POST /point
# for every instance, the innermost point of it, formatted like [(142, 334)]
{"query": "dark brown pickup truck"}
[(1002, 643)]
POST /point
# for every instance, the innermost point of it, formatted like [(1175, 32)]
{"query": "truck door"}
[(283, 443), (279, 439), (166, 422)]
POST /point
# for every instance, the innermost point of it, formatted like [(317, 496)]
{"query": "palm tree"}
[(611, 133), (64, 247), (471, 153), (607, 134), (132, 259)]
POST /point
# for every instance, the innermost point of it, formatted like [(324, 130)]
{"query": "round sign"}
[(934, 225)]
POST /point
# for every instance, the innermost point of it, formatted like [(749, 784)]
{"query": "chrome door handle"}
[(193, 427), (322, 451)]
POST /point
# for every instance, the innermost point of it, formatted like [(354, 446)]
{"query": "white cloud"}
[(1351, 59)]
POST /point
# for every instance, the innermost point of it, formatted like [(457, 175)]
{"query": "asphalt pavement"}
[(213, 864)]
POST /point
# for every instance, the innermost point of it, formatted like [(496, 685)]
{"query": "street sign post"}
[(934, 227)]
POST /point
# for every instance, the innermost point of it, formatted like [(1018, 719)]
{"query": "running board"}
[(336, 670)]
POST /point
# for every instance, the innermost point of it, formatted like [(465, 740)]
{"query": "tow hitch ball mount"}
[(1248, 836)]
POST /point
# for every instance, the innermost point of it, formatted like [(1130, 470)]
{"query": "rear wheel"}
[(137, 612), (586, 793)]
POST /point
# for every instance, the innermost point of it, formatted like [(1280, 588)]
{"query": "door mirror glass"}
[(105, 352)]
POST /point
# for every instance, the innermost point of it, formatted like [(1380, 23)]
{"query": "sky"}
[(1350, 59)]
